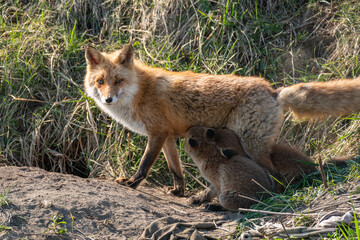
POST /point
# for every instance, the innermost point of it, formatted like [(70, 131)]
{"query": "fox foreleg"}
[(153, 148)]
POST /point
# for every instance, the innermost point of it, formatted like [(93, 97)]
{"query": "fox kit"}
[(163, 105), (290, 163), (229, 173), (222, 161)]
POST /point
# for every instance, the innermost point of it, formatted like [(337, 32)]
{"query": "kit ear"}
[(228, 153), (126, 56), (93, 56), (210, 134), (192, 142)]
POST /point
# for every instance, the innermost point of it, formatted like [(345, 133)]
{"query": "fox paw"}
[(125, 181), (213, 207), (175, 191), (195, 200)]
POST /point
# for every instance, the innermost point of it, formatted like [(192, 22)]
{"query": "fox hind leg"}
[(258, 125)]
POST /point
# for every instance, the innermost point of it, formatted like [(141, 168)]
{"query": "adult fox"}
[(163, 105)]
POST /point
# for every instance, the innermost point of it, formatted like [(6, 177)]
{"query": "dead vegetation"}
[(46, 121)]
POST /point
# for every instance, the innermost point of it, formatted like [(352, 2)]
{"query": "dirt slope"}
[(88, 208)]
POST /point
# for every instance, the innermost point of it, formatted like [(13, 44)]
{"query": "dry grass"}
[(46, 121)]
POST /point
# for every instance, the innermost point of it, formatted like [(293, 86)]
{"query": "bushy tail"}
[(321, 99)]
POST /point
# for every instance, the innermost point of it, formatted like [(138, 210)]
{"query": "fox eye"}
[(100, 81), (192, 142), (118, 81)]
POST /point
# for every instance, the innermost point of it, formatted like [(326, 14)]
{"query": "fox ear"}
[(210, 134), (93, 56), (228, 153), (126, 56)]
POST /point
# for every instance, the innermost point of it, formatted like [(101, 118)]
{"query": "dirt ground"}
[(36, 204), (41, 205)]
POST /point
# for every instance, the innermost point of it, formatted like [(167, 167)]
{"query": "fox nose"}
[(109, 100)]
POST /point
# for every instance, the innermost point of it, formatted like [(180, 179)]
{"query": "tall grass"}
[(47, 121)]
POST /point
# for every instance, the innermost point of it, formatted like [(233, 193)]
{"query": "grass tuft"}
[(4, 200)]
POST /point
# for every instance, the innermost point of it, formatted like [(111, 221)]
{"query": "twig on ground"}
[(323, 207), (216, 226), (253, 199), (317, 198), (322, 173), (178, 210), (282, 224), (310, 233), (192, 176), (274, 213)]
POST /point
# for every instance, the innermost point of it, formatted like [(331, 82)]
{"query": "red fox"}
[(163, 105)]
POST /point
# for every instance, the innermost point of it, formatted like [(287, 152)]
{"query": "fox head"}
[(209, 144), (110, 77), (200, 144)]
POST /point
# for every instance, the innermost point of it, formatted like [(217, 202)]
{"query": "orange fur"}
[(322, 99)]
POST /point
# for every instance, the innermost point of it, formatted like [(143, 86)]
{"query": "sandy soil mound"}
[(43, 204)]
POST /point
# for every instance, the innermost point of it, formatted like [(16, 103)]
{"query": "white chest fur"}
[(124, 115)]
